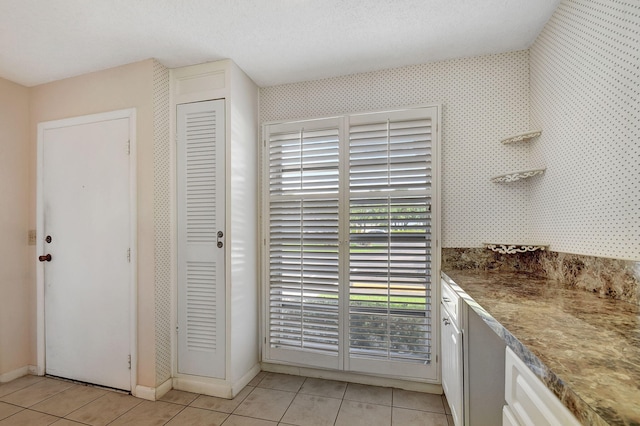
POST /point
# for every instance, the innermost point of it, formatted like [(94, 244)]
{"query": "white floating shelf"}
[(514, 176), (515, 248), (522, 136)]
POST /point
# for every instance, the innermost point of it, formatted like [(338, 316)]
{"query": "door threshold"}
[(93, 385)]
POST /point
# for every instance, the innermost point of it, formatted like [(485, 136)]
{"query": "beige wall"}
[(15, 321), (128, 86)]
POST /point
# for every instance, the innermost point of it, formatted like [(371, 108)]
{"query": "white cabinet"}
[(508, 418), (216, 348), (451, 338), (472, 361), (529, 401)]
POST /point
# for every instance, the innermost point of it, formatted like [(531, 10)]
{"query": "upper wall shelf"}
[(514, 176), (515, 248), (522, 136)]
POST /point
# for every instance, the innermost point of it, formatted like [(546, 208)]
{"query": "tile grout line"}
[(18, 390), (238, 406), (64, 417), (393, 396), (141, 401), (82, 406), (175, 415), (340, 407), (294, 398)]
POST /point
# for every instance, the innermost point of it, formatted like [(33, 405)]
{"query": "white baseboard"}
[(14, 374), (206, 386), (214, 387), (345, 376), (164, 388), (244, 380), (144, 392), (152, 394)]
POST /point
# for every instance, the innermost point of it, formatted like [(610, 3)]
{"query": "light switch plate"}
[(32, 237)]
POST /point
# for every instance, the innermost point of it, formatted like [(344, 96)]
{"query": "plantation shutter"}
[(348, 226), (390, 178), (303, 241), (200, 216)]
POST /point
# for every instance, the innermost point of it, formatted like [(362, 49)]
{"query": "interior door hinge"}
[(129, 147), (129, 255), (129, 362)]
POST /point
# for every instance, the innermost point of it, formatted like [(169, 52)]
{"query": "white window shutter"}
[(303, 241), (348, 230), (390, 241), (201, 206)]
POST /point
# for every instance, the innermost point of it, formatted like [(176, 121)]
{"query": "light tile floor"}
[(269, 400)]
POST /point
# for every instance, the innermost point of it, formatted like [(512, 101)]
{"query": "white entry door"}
[(86, 230), (201, 226)]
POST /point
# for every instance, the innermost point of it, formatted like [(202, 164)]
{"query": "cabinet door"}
[(452, 365), (201, 226), (530, 401), (508, 418)]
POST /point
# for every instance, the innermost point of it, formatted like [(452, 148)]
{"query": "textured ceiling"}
[(274, 41)]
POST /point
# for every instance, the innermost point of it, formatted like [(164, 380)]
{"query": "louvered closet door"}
[(201, 206), (390, 246), (303, 162)]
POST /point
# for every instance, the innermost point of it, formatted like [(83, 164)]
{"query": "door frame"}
[(129, 113)]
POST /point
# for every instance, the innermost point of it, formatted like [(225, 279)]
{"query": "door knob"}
[(45, 258)]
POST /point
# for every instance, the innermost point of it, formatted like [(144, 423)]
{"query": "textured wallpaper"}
[(161, 218), (585, 96), (484, 99)]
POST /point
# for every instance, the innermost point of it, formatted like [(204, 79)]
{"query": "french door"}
[(348, 232)]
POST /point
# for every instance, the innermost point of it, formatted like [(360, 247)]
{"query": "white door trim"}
[(133, 219)]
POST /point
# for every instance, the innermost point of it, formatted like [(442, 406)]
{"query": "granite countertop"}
[(586, 349)]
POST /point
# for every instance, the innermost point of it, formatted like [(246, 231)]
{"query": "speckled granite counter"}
[(586, 349)]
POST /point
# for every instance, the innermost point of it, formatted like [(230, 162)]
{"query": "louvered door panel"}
[(200, 199)]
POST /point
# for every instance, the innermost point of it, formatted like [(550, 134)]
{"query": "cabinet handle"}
[(446, 321), (446, 299)]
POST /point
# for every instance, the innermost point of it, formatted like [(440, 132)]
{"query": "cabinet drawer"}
[(451, 302), (529, 400)]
